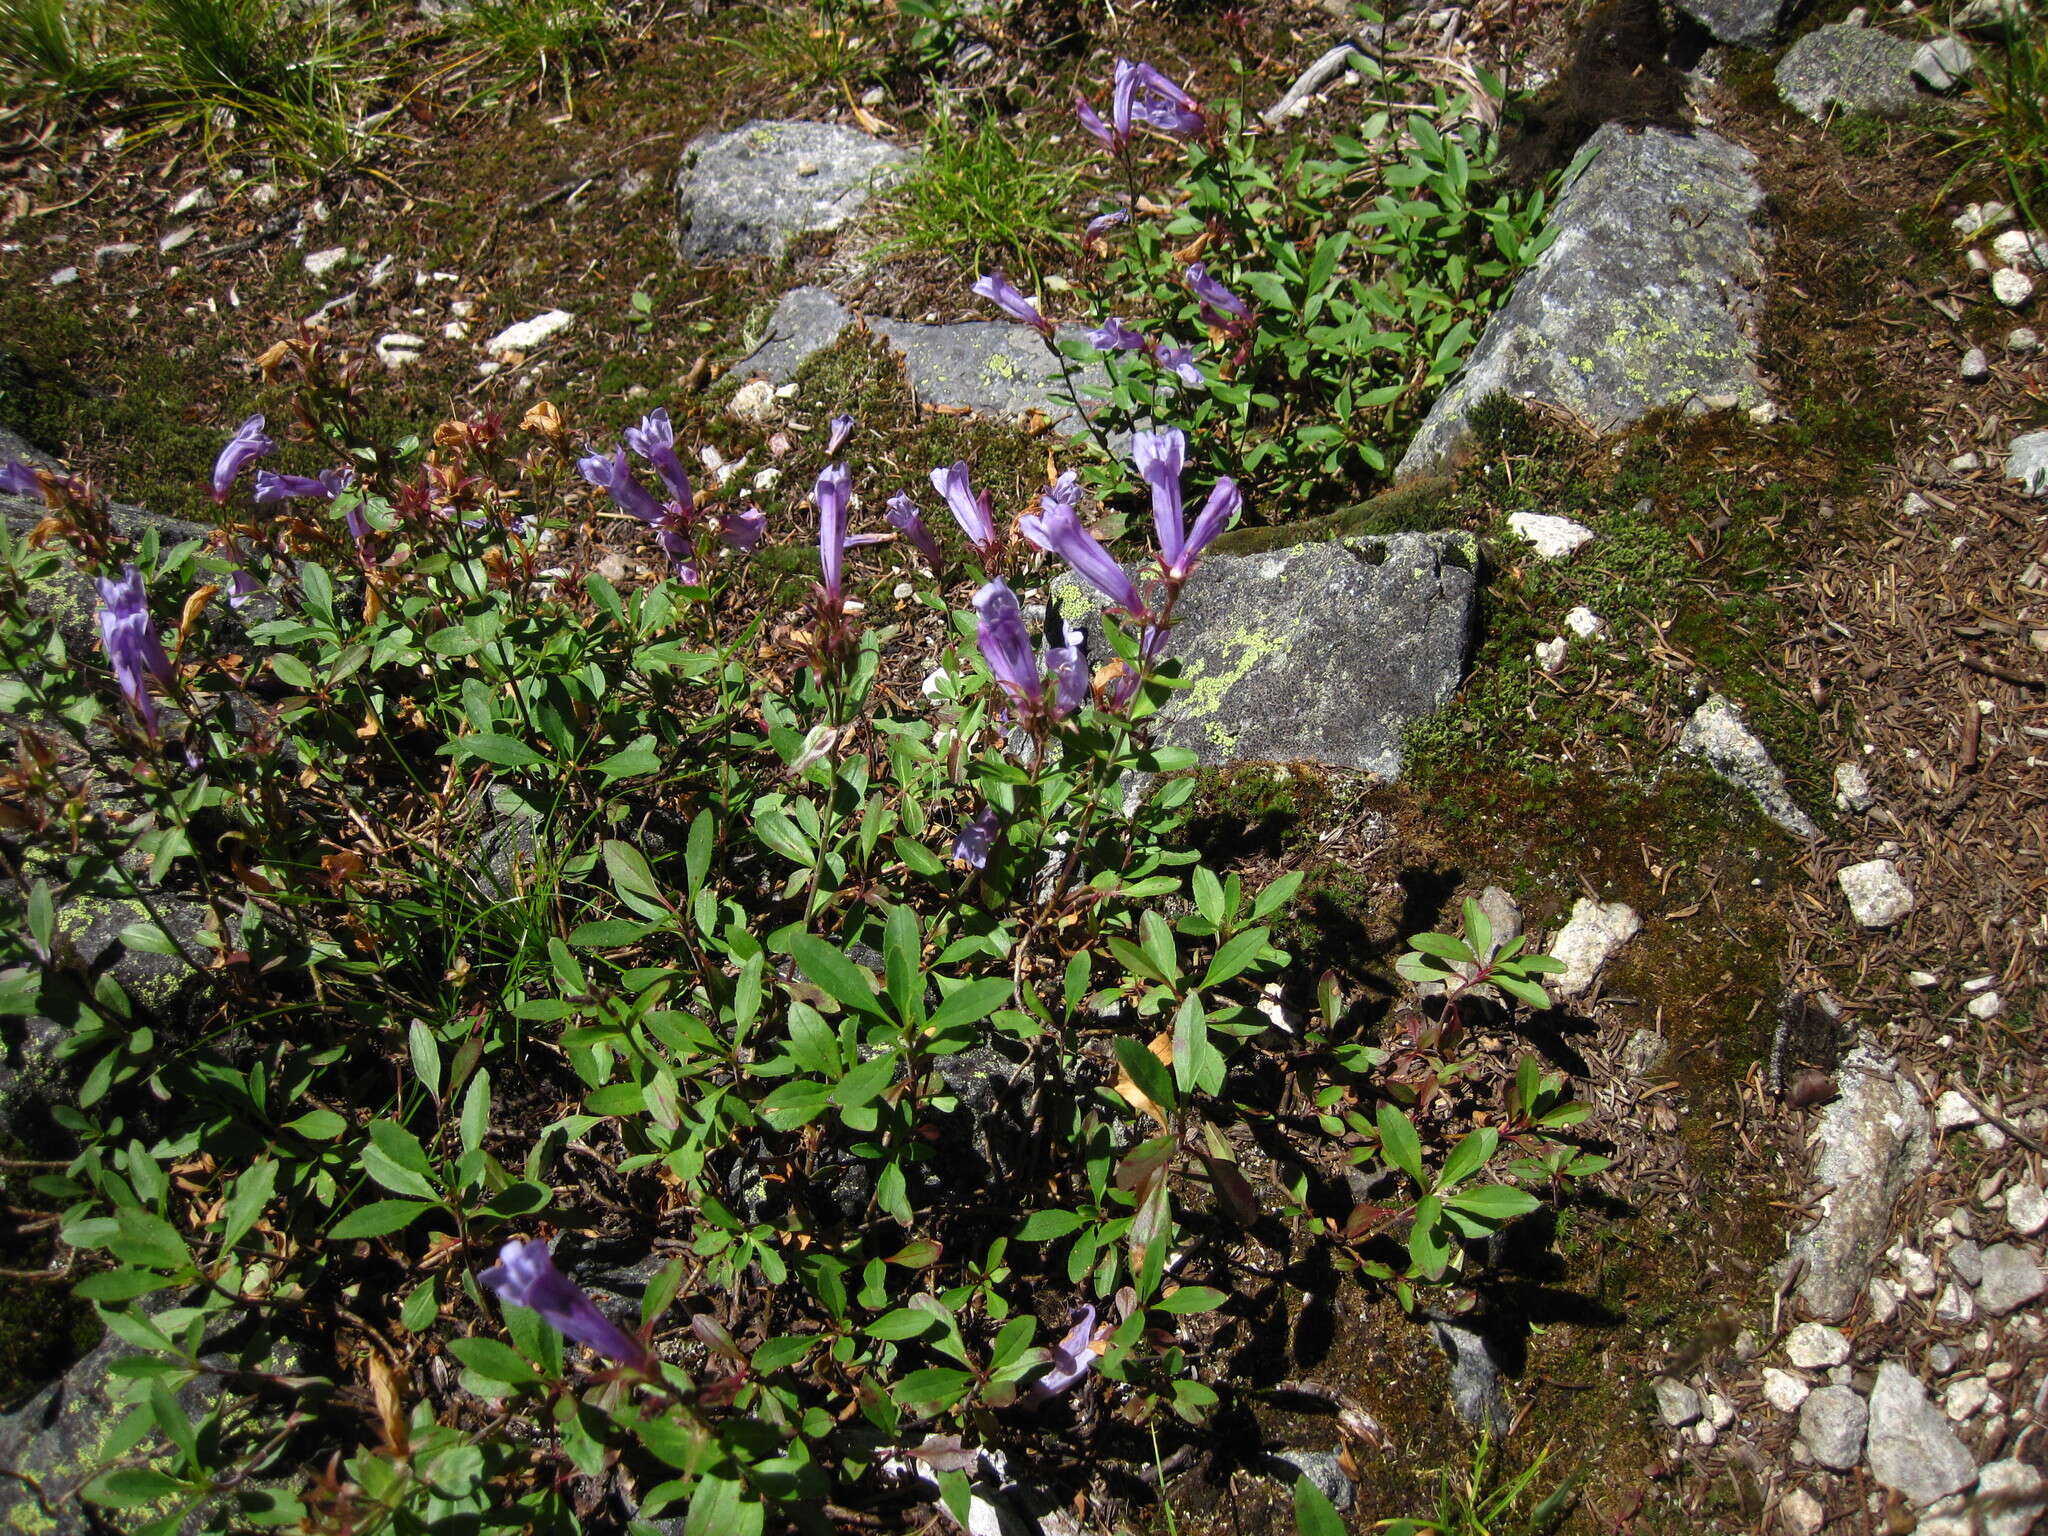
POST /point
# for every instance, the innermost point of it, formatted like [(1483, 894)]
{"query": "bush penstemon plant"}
[(1294, 313), (496, 905)]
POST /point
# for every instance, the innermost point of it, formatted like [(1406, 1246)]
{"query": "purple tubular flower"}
[(832, 493), (132, 645), (1180, 361), (525, 1275), (842, 427), (1159, 456), (655, 441), (971, 845), (742, 530), (1159, 104), (1215, 516), (614, 472), (974, 513), (1058, 528), (1216, 300), (328, 484), (19, 479), (241, 587), (243, 449), (1069, 667), (1006, 644), (904, 517), (1096, 127), (1114, 336), (1102, 223), (997, 289), (1071, 1359)]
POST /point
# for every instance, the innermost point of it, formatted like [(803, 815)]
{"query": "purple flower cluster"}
[(129, 636), (1159, 457), (971, 509), (1140, 96), (525, 1275), (677, 520), (243, 449), (1044, 689)]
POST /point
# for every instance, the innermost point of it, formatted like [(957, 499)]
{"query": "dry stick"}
[(1311, 80), (2003, 674)]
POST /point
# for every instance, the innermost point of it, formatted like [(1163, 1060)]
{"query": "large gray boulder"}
[(1873, 1141), (1849, 69), (1321, 653), (748, 193), (997, 368), (1645, 298), (1742, 23)]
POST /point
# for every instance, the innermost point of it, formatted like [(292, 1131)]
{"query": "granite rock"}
[(1873, 1141), (1645, 298), (987, 366), (1912, 1449), (1853, 69), (1718, 734), (1318, 653), (749, 192)]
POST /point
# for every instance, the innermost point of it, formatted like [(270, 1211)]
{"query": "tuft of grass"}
[(2008, 140), (55, 46), (531, 39), (829, 48), (985, 194), (240, 69)]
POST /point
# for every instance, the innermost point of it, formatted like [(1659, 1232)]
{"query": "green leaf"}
[(476, 1111), (1443, 946), (1236, 957), (723, 1506), (1478, 928), (133, 1488), (492, 1360), (1398, 1140), (1494, 1202), (780, 833), (380, 1218), (1467, 1158), (796, 1103), (426, 1055), (933, 1389), (834, 975), (1314, 1514), (631, 760), (1147, 1071), (903, 1323), (866, 1082), (1159, 947), (1043, 1226), (970, 1004), (903, 956), (318, 1125), (1529, 992), (253, 1190), (499, 751), (145, 1238), (1208, 892), (396, 1161), (630, 873), (1428, 1248), (1191, 1298)]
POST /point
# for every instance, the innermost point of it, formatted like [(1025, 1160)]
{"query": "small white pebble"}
[(2011, 287)]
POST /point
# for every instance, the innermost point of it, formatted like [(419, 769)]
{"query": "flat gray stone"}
[(1594, 935), (1912, 1449), (1321, 1468), (1832, 1422), (1677, 1404), (1873, 1141), (750, 192), (994, 367), (1644, 299), (1478, 1387), (1718, 734), (2011, 1278), (1321, 653), (1850, 69), (2010, 1498), (1744, 23)]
